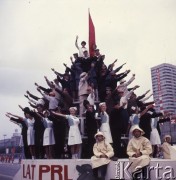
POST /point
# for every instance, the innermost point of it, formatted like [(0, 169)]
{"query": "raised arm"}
[(39, 115), (146, 98), (19, 124), (42, 88), (32, 96), (142, 96), (21, 107), (110, 67), (19, 117), (147, 92), (26, 96), (59, 91), (50, 84), (67, 68), (148, 103), (131, 91), (57, 85), (32, 101), (43, 94), (16, 121), (130, 80), (76, 42), (58, 114), (32, 105), (118, 68), (56, 72), (121, 76), (60, 80), (71, 59), (146, 109)]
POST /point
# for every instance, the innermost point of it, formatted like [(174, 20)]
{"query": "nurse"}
[(74, 135)]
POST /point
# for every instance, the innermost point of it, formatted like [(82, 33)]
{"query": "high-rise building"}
[(164, 87), (164, 93)]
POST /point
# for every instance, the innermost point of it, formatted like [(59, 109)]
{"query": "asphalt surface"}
[(8, 170)]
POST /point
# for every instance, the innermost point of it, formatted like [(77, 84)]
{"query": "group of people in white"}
[(99, 89)]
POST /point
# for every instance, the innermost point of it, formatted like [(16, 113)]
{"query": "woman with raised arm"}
[(23, 140), (135, 117), (29, 120), (74, 136), (105, 128), (48, 136)]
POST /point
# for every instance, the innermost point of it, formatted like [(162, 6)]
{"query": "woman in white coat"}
[(103, 151), (139, 149), (104, 128), (74, 135), (48, 136), (155, 137)]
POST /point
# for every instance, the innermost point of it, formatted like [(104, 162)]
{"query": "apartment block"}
[(164, 87), (164, 93)]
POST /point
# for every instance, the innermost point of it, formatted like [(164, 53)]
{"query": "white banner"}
[(51, 169), (81, 170)]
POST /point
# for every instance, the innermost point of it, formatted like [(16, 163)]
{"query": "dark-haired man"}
[(82, 48)]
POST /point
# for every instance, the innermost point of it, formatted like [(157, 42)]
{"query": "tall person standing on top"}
[(82, 48)]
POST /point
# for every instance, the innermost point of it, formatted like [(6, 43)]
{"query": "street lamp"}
[(4, 142)]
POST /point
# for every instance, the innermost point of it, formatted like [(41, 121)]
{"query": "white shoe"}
[(76, 156), (33, 157)]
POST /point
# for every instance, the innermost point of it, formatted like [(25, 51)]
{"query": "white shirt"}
[(53, 102), (91, 98), (123, 86), (124, 99), (81, 51)]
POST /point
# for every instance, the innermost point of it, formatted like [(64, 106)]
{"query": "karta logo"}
[(122, 171)]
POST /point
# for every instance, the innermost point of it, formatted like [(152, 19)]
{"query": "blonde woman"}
[(104, 128), (103, 151), (48, 136), (74, 135)]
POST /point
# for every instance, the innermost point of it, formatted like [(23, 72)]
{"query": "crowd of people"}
[(6, 158), (90, 96)]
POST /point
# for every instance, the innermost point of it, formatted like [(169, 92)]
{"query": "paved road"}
[(8, 171)]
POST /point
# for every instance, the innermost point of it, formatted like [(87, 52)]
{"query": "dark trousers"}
[(102, 170), (116, 137), (125, 119), (147, 134), (39, 149), (27, 153), (91, 142)]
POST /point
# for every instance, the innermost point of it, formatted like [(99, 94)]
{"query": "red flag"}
[(92, 43)]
